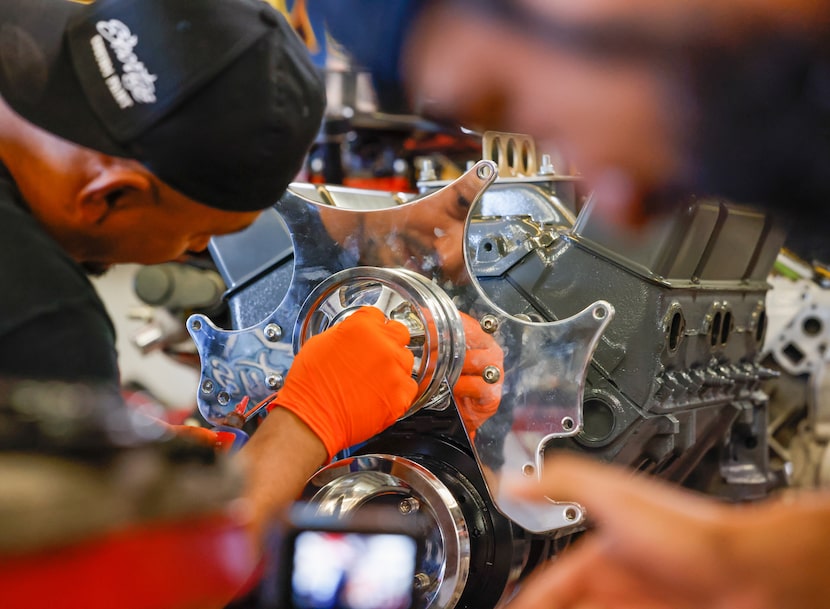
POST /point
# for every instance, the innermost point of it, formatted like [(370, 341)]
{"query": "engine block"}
[(642, 351)]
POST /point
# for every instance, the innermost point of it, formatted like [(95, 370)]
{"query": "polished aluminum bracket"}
[(413, 261)]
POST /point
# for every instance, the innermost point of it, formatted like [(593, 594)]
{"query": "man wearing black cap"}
[(133, 131)]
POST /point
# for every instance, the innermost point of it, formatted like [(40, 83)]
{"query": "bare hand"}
[(655, 546)]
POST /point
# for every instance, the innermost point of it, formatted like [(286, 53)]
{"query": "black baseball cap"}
[(218, 98)]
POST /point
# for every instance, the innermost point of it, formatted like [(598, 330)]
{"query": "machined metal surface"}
[(346, 486), (796, 342), (430, 280), (645, 352), (437, 337)]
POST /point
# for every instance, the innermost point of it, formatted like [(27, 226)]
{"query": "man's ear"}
[(101, 195)]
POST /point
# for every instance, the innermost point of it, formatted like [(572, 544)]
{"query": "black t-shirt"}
[(53, 324)]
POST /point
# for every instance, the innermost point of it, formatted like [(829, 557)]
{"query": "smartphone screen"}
[(349, 570)]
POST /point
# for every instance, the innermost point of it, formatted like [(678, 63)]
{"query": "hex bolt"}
[(409, 505), (571, 514), (274, 381), (196, 325), (546, 239), (421, 581), (207, 386), (223, 397), (546, 166), (427, 171), (273, 333), (491, 375), (489, 323)]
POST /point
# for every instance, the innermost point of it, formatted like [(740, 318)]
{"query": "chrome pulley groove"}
[(434, 324), (344, 487)]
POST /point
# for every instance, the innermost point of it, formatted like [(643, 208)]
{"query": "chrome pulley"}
[(348, 485), (434, 324)]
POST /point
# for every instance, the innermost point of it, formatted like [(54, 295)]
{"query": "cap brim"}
[(37, 79)]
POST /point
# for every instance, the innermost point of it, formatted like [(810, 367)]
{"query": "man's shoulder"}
[(53, 324), (36, 275), (26, 245)]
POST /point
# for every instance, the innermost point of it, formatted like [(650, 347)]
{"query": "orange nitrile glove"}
[(478, 400), (351, 381)]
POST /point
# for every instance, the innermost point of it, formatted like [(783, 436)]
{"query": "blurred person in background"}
[(649, 101), (653, 102)]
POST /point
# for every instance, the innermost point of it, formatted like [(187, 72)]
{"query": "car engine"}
[(641, 351)]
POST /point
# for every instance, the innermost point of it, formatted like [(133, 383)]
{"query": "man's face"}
[(163, 228)]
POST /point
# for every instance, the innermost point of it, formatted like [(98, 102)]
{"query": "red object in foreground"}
[(186, 564)]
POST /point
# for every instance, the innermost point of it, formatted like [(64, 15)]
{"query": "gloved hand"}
[(476, 399), (351, 381)]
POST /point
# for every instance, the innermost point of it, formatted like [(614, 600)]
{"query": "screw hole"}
[(484, 171), (812, 326)]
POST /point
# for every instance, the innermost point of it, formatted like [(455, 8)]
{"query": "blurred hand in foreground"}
[(655, 546)]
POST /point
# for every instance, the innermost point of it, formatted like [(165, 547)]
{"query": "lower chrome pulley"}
[(344, 487)]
